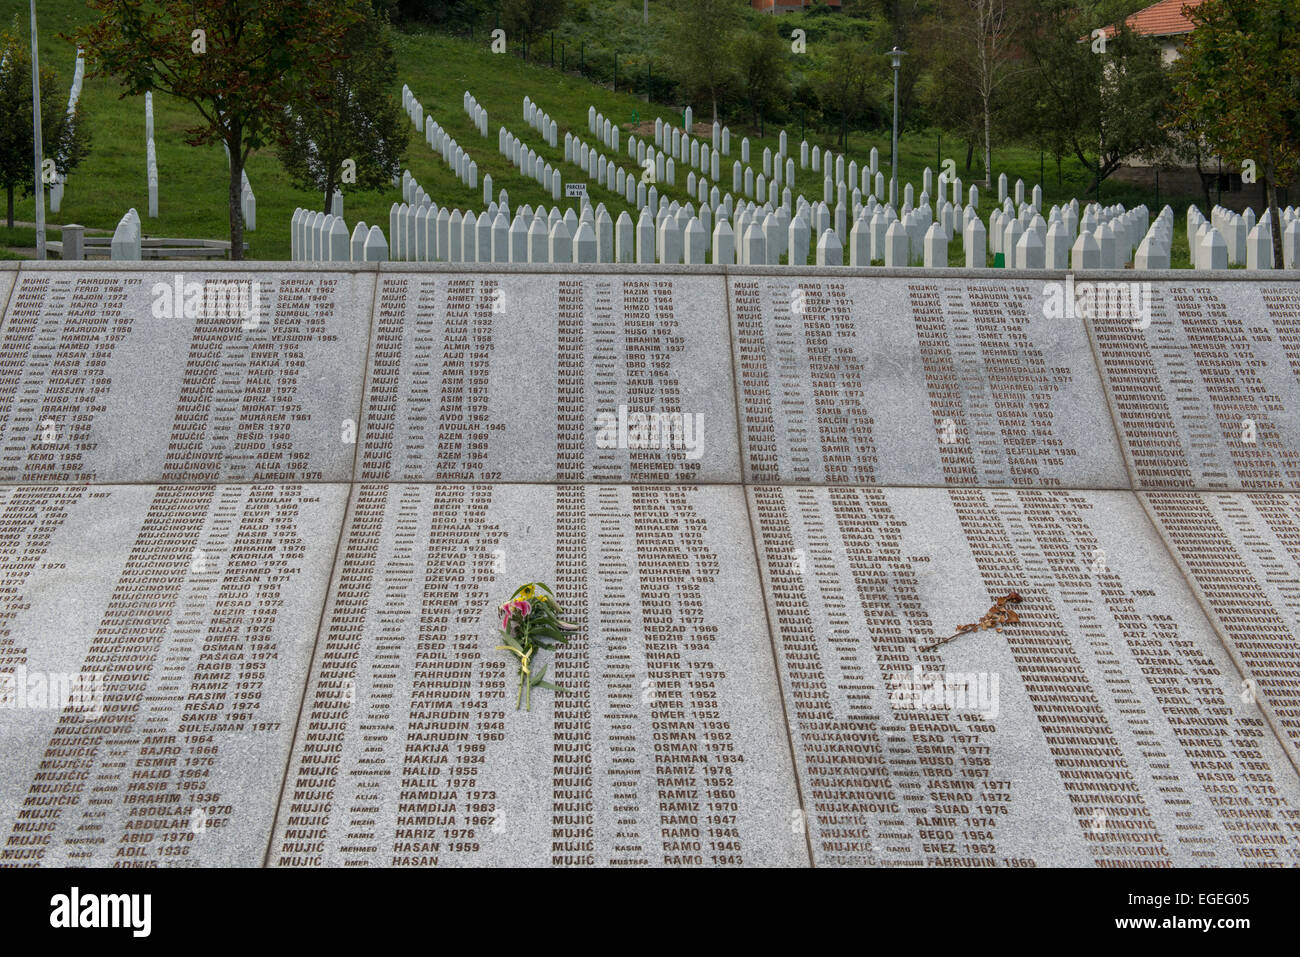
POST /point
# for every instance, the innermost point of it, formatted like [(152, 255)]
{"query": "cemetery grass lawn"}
[(21, 237), (193, 180)]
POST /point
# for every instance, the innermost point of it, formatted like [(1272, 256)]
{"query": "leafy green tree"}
[(1237, 86), (356, 131), (527, 19), (238, 63), (1104, 103), (974, 61), (846, 84), (760, 54), (700, 37), (64, 138)]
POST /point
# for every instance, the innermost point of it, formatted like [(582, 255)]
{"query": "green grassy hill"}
[(192, 180)]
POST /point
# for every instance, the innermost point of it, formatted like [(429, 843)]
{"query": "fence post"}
[(73, 242)]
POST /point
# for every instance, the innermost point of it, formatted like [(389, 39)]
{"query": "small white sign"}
[(573, 190)]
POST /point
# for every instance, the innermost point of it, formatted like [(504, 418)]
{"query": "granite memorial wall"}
[(256, 523)]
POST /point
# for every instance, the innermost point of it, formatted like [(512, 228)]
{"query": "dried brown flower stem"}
[(999, 614)]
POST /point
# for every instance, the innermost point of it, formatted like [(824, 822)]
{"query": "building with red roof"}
[(1166, 22)]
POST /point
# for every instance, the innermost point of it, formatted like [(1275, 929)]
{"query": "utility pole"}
[(896, 60), (36, 141)]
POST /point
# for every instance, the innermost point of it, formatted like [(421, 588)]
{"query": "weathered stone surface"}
[(118, 384), (190, 612), (926, 382), (1240, 552), (542, 377), (1105, 728), (8, 273), (1131, 728), (1205, 395), (668, 747)]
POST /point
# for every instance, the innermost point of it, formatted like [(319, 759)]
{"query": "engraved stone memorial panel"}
[(1104, 728), (1241, 552), (549, 377), (154, 643), (925, 381), (255, 525), (186, 376), (667, 748), (8, 273), (1207, 395)]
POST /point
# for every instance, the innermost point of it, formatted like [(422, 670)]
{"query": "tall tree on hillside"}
[(1108, 102), (64, 137), (846, 83), (953, 101), (976, 60), (1238, 85), (358, 127), (760, 54), (527, 19), (701, 34), (239, 63)]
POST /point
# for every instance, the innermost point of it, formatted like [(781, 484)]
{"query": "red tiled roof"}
[(1162, 19)]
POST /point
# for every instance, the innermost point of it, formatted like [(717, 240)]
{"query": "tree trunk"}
[(988, 145), (970, 153), (1200, 174), (236, 207), (330, 186), (1274, 214), (11, 207)]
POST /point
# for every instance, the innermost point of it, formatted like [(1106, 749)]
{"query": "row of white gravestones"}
[(1228, 239), (1118, 234), (414, 109), (477, 114), (529, 164), (763, 186), (74, 94), (757, 236), (423, 233), (319, 237), (1107, 238), (126, 237), (322, 237), (600, 127), (444, 144), (541, 121)]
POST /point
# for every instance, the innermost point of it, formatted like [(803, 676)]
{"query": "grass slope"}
[(192, 189)]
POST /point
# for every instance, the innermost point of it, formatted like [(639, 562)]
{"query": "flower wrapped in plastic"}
[(531, 622)]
